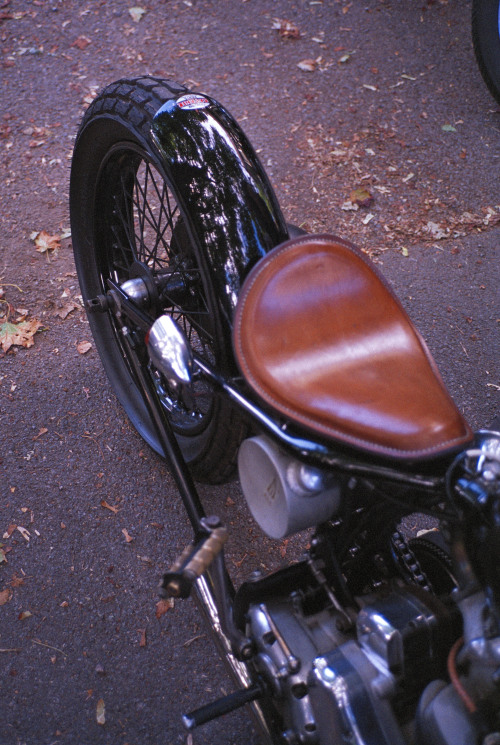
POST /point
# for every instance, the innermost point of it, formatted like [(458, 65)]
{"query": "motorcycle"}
[(238, 343)]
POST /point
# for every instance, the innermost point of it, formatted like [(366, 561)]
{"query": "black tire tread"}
[(133, 102), (143, 96)]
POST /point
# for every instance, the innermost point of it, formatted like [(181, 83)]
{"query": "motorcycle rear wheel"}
[(124, 211), (486, 40)]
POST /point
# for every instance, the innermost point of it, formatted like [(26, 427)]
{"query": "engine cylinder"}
[(284, 495)]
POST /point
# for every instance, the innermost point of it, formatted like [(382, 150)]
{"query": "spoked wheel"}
[(127, 223), (486, 39)]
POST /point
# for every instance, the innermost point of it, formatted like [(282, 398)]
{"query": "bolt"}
[(174, 588), (246, 651)]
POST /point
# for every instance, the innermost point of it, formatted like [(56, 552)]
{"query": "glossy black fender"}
[(222, 185)]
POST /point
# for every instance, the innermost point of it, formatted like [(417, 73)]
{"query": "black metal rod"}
[(168, 441), (316, 450), (223, 706)]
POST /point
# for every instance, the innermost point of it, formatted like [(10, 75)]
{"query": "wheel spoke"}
[(146, 226), (156, 226)]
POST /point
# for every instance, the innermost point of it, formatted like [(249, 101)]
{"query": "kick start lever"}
[(194, 560)]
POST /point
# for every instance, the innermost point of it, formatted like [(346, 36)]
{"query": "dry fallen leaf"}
[(143, 641), (307, 65), (45, 242), (18, 334), (67, 308), (5, 596), (435, 230), (349, 206), (361, 197), (82, 42), (163, 606), (286, 29), (136, 13), (24, 615), (10, 530), (83, 346), (101, 712)]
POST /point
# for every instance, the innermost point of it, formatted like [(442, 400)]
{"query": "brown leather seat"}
[(320, 336)]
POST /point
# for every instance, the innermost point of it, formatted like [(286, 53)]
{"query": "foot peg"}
[(194, 560), (223, 706)]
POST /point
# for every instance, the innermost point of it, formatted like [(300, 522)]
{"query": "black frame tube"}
[(167, 439)]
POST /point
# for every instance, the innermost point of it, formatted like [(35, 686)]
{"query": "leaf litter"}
[(286, 29), (404, 206)]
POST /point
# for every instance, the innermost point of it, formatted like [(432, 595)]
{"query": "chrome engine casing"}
[(341, 680), (379, 675)]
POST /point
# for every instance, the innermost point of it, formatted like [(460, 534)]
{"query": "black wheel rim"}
[(137, 219)]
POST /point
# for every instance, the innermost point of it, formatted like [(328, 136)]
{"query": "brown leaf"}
[(45, 242), (307, 65), (83, 347), (163, 606), (82, 42), (24, 615), (43, 431), (67, 308), (362, 197), (286, 29), (143, 641), (5, 596), (18, 334), (10, 530)]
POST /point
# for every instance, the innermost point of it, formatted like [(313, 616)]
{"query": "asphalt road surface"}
[(380, 95)]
